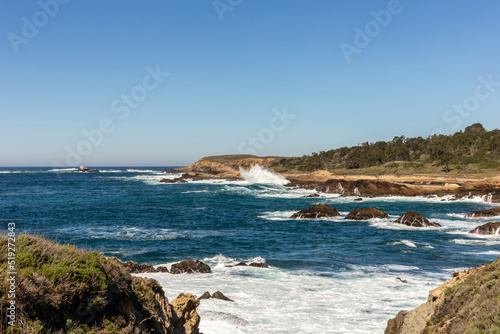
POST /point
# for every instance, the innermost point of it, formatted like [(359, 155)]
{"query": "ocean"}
[(327, 275)]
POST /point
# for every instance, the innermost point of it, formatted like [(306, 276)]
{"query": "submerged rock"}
[(190, 267), (316, 211), (359, 199), (415, 219), (488, 228), (176, 180), (484, 213), (253, 264), (311, 196), (366, 213)]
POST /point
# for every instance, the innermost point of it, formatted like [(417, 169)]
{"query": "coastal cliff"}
[(228, 167), (63, 289), (222, 167), (468, 303)]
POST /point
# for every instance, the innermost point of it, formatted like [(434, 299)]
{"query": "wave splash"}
[(260, 175)]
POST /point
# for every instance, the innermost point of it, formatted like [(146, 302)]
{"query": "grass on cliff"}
[(472, 306), (63, 289)]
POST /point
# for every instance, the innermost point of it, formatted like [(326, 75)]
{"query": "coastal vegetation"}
[(63, 289), (468, 303), (468, 151)]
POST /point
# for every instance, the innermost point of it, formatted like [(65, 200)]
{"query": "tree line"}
[(474, 145)]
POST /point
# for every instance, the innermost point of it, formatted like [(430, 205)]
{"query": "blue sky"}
[(85, 82)]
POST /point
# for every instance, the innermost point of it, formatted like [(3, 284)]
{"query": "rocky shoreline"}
[(228, 168), (468, 303)]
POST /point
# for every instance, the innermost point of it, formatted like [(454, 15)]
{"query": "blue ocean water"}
[(322, 271)]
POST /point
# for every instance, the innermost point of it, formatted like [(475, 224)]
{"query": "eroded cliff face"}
[(468, 303)]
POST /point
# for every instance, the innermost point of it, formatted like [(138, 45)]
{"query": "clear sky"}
[(166, 82)]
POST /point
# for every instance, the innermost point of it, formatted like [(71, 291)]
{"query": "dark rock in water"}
[(316, 211), (366, 213), (139, 268), (162, 269), (488, 228), (359, 199), (215, 295), (220, 295), (190, 267), (253, 264), (311, 196), (401, 280), (206, 295), (484, 213), (415, 219), (85, 169), (241, 264), (176, 180)]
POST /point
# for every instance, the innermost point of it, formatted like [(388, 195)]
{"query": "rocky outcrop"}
[(135, 268), (392, 185), (488, 228), (220, 167), (316, 211), (64, 289), (484, 213), (228, 167), (85, 169), (415, 219), (215, 295), (190, 267), (366, 213), (468, 303), (176, 180), (185, 318), (205, 295)]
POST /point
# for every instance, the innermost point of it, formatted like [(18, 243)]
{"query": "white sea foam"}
[(61, 170), (122, 232), (403, 242), (260, 175), (479, 240), (272, 300), (195, 191), (131, 170), (389, 224), (277, 215)]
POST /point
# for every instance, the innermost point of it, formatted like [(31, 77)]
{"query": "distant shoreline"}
[(360, 185)]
